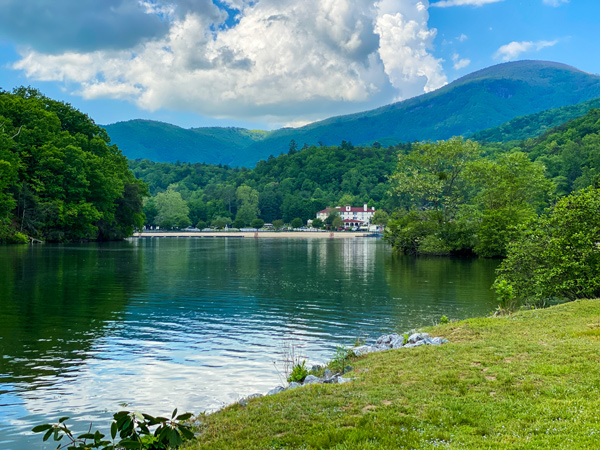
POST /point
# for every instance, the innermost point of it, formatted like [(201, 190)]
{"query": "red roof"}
[(343, 209)]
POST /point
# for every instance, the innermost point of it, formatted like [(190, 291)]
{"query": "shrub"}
[(299, 373), (257, 223), (133, 428), (558, 256)]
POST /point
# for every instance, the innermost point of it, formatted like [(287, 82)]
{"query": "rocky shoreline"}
[(383, 343)]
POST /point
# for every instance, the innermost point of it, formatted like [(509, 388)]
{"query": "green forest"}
[(60, 179), (447, 197)]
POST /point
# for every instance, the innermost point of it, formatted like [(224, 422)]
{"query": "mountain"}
[(478, 101), (535, 125)]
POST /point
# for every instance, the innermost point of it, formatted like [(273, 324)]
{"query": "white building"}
[(352, 217)]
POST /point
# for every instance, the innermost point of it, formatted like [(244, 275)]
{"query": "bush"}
[(201, 224), (133, 428), (239, 223), (297, 223), (558, 256), (299, 373), (257, 223)]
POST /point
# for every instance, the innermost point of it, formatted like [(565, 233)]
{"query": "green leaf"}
[(62, 419), (185, 416), (41, 428), (174, 413), (86, 436), (113, 429), (48, 434)]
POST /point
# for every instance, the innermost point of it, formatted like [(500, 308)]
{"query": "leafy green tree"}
[(239, 223), (247, 200), (278, 224), (201, 224), (172, 210), (297, 223), (337, 223), (257, 223), (317, 223), (380, 217), (220, 222), (557, 256)]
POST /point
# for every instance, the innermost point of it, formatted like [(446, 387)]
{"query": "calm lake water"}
[(198, 323)]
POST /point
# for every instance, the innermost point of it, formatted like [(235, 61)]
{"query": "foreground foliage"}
[(132, 428), (60, 179), (529, 380), (558, 255)]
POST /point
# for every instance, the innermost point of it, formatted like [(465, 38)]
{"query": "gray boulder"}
[(331, 380), (436, 341), (342, 380), (311, 379), (276, 390), (294, 385), (416, 337), (327, 374)]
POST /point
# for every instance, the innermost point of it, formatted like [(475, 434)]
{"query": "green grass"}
[(528, 381)]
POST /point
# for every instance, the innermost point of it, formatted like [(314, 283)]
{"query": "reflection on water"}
[(198, 323)]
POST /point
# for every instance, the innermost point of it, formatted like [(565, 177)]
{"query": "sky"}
[(264, 64)]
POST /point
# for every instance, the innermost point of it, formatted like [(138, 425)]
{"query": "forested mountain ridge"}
[(481, 100), (535, 125), (60, 179)]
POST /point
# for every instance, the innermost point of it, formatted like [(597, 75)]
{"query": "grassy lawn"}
[(530, 380)]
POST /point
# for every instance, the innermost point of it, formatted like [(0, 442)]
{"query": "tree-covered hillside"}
[(484, 99), (60, 179), (294, 185), (534, 125)]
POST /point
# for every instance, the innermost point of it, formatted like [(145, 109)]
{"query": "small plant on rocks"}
[(299, 373)]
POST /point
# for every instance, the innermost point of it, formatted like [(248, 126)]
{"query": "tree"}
[(337, 223), (431, 176), (510, 190), (201, 225), (172, 210), (239, 223), (247, 200), (220, 222), (257, 223), (380, 217), (278, 224), (557, 256), (297, 223), (317, 223)]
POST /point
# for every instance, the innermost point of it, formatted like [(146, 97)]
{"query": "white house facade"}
[(351, 216)]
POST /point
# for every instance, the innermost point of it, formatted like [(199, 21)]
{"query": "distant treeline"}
[(293, 185)]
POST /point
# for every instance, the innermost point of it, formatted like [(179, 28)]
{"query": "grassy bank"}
[(530, 380)]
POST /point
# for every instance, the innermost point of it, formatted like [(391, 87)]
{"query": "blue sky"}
[(270, 63)]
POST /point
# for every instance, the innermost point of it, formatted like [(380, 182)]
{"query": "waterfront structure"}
[(359, 217)]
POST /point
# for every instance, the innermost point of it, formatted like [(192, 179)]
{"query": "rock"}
[(416, 344), (436, 341), (342, 380), (316, 368), (415, 337), (347, 369), (244, 401), (362, 350), (276, 390), (398, 342), (331, 380), (386, 340), (294, 385), (311, 379), (445, 341), (327, 374), (250, 397)]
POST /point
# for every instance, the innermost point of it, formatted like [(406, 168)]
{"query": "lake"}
[(152, 324)]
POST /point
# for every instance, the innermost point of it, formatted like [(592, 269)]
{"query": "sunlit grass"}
[(530, 380)]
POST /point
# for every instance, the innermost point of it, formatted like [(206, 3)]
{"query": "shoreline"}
[(255, 234)]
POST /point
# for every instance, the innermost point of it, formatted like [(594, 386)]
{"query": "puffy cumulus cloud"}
[(448, 3), (282, 61), (460, 63), (514, 49)]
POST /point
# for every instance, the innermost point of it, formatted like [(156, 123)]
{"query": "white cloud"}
[(462, 38), (280, 62), (460, 63), (555, 3), (448, 3), (514, 49)]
